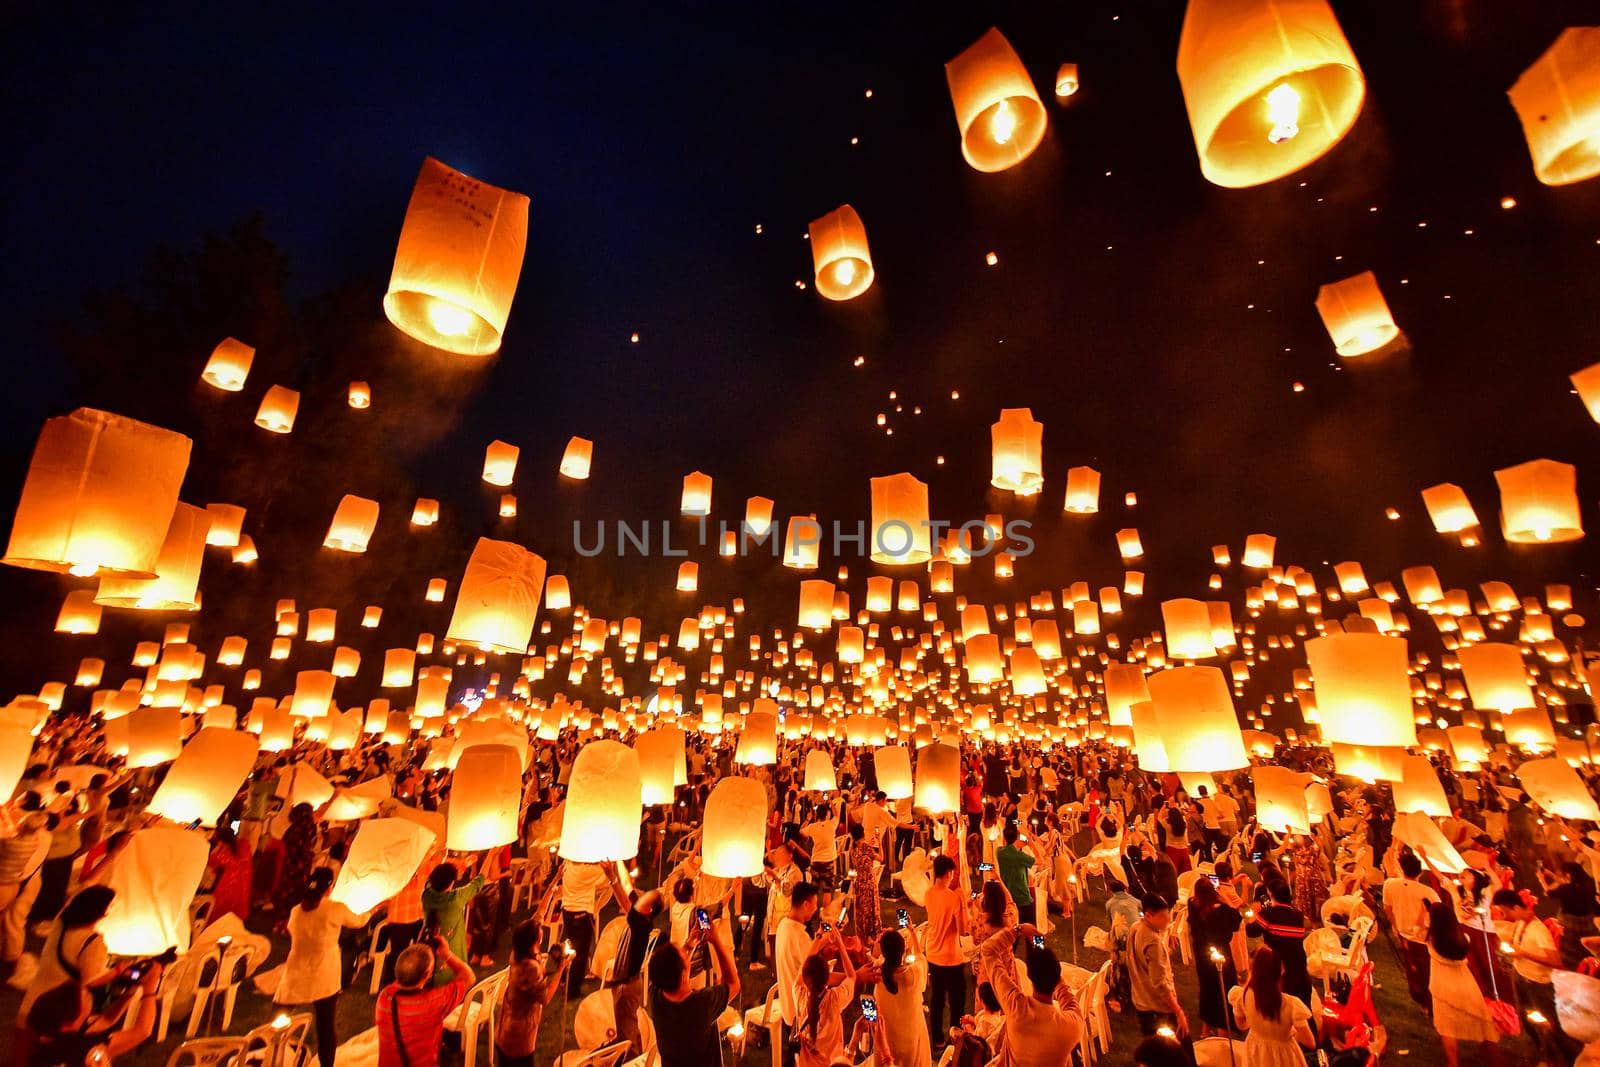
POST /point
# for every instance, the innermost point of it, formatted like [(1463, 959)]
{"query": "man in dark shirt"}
[(1282, 926), (627, 990), (685, 1018)]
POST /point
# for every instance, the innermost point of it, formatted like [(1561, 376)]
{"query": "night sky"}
[(1155, 323)]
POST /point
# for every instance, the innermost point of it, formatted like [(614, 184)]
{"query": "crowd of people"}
[(874, 929)]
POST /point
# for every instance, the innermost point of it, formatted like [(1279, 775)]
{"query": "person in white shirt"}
[(584, 887), (1534, 954), (779, 876), (823, 833), (793, 945), (1405, 902)]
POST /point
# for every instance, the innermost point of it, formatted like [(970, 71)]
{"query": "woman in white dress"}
[(1275, 1023), (900, 992), (1459, 1011), (314, 972)]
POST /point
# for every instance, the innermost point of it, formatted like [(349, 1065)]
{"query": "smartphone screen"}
[(1038, 941), (1214, 879), (985, 867), (702, 917), (869, 1009), (903, 918)]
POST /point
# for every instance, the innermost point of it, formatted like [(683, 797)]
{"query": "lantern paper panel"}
[(733, 840), (486, 798), (1281, 799), (383, 858), (457, 262), (1558, 101), (155, 877), (998, 111), (498, 599), (901, 533), (839, 254)]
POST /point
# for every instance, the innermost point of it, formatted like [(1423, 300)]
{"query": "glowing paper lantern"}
[(1188, 626), (383, 858), (1587, 384), (1125, 686), (802, 542), (498, 599), (1066, 80), (313, 693), (1281, 799), (901, 533), (577, 457), (1558, 789), (604, 804), (176, 584), (839, 254), (155, 876), (1258, 551), (1495, 675), (1083, 490), (1558, 101), (733, 839), (278, 410), (1363, 689), (1196, 719), (1271, 85), (1147, 741), (938, 785), (353, 522), (661, 764), (1529, 728), (425, 513), (457, 262), (1539, 502), (816, 604), (500, 463), (1422, 585), (203, 780), (486, 798), (696, 494), (1422, 834), (688, 576), (1017, 443), (99, 496), (1370, 763), (758, 741), (820, 776), (1356, 315), (998, 111), (983, 659), (892, 763), (1129, 546), (229, 365), (758, 516), (79, 613), (1419, 789), (1577, 1005)]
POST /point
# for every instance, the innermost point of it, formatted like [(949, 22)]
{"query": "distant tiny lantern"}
[(758, 516), (1539, 502), (79, 613), (688, 576), (500, 463), (604, 806), (901, 533), (353, 522), (575, 460), (99, 496), (508, 505), (425, 513), (360, 395), (1017, 446), (278, 409), (498, 598), (734, 829), (1083, 490), (998, 111), (839, 254), (1270, 85), (1066, 80), (229, 365), (457, 262), (1356, 315), (1558, 101), (696, 498)]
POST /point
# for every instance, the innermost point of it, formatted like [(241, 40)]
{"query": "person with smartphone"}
[(410, 1011), (1041, 1028), (821, 996), (65, 1030), (903, 978), (685, 1018), (528, 991)]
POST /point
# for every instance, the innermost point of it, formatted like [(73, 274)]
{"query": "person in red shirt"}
[(410, 1011), (947, 921)]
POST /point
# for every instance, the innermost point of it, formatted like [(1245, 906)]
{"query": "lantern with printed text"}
[(1270, 85), (457, 261), (998, 111), (99, 496), (839, 254)]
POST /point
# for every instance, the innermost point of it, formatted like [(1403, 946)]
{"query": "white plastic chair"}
[(206, 1052), (475, 1014), (609, 1056), (377, 954), (769, 1018)]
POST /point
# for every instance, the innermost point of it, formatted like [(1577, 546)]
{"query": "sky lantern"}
[(1258, 551), (1129, 546), (1587, 383), (983, 661), (1496, 677), (313, 694), (359, 396), (155, 736), (425, 513), (321, 625), (1370, 763), (662, 766), (1083, 491), (278, 409), (1419, 789), (880, 594), (998, 111), (1362, 688), (155, 876), (229, 365), (1017, 443), (1558, 101), (432, 691), (1195, 716), (486, 798), (696, 494), (79, 613), (202, 781), (1422, 585), (816, 604), (901, 534), (353, 522), (758, 515), (1125, 686), (1529, 728), (802, 542), (1147, 742), (1027, 674), (1066, 80), (16, 749), (1188, 626), (839, 254), (384, 856), (938, 781), (1281, 799), (733, 838), (820, 777), (1356, 315), (99, 496), (1449, 508), (688, 576), (175, 586), (245, 550), (557, 593), (227, 520), (1271, 85), (758, 741), (892, 764), (577, 457), (457, 262), (90, 671), (500, 463), (604, 808), (498, 598), (1539, 502), (1558, 789), (398, 666)]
